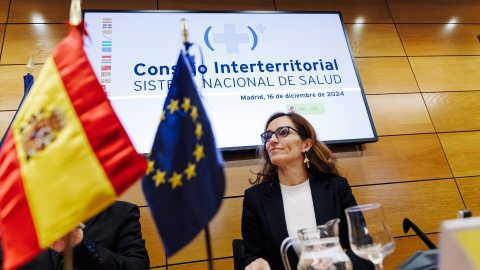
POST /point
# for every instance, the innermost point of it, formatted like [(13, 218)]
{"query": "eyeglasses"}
[(280, 132)]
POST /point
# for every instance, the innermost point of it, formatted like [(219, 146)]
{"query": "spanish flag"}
[(66, 156)]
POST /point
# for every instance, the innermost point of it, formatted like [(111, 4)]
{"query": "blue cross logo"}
[(231, 38)]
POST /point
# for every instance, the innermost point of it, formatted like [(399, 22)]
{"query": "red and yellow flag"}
[(66, 156)]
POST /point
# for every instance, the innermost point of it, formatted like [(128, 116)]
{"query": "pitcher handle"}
[(288, 242)]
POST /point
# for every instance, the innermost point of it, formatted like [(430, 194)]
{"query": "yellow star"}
[(198, 153), (194, 113), (190, 171), (159, 177), (150, 166), (175, 180), (186, 105), (198, 131), (163, 116), (173, 106)]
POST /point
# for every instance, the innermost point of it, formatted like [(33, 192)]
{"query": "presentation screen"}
[(248, 65)]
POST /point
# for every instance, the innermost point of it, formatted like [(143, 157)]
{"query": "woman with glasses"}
[(299, 186)]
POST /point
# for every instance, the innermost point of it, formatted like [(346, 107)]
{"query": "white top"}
[(299, 211)]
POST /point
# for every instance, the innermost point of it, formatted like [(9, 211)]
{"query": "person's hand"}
[(258, 264), (61, 244)]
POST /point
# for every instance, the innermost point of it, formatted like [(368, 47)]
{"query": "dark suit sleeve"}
[(253, 238), (129, 251), (348, 200)]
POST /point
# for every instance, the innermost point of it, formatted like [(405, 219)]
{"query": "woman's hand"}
[(61, 244), (258, 264)]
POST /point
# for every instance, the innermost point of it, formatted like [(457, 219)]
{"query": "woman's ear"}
[(307, 144)]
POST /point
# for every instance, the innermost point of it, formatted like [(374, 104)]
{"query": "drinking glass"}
[(369, 235)]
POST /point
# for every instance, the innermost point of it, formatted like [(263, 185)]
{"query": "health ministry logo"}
[(231, 38)]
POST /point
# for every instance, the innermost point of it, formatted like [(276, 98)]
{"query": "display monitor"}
[(248, 65)]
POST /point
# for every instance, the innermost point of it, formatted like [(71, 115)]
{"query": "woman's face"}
[(288, 150)]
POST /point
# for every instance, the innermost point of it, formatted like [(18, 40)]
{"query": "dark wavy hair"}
[(322, 160)]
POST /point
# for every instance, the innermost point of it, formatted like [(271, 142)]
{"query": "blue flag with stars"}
[(184, 183)]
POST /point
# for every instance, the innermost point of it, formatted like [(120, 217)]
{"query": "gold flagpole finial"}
[(30, 65), (75, 13), (184, 32)]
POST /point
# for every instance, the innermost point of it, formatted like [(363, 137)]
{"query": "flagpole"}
[(186, 43), (68, 253), (209, 248), (74, 19)]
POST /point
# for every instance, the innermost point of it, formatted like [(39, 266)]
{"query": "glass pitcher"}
[(321, 249)]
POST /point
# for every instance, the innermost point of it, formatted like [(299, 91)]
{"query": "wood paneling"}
[(57, 11), (463, 152), (454, 111), (406, 247), (194, 251), (399, 114), (4, 4), (386, 75), (5, 119), (216, 5), (153, 243), (134, 195), (220, 264), (12, 87), (2, 32), (38, 40), (226, 226), (446, 73), (439, 39), (371, 11), (237, 179), (396, 159), (120, 5), (374, 40), (470, 190), (432, 11), (414, 200)]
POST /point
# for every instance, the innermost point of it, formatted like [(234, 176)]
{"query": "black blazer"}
[(112, 240), (263, 220)]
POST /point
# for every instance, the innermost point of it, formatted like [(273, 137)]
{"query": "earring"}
[(306, 160)]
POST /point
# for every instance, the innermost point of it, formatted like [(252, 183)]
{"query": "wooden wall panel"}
[(425, 203), (57, 11), (454, 111), (237, 179), (446, 73), (152, 240), (219, 264), (12, 86), (194, 251), (396, 159), (439, 39), (470, 190), (405, 247), (386, 75), (38, 40), (2, 32), (371, 11), (226, 226), (134, 195), (4, 4), (399, 114), (374, 40), (5, 119), (432, 11), (216, 5), (463, 152), (120, 5)]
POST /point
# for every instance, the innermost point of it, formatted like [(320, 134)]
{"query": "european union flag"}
[(184, 184)]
